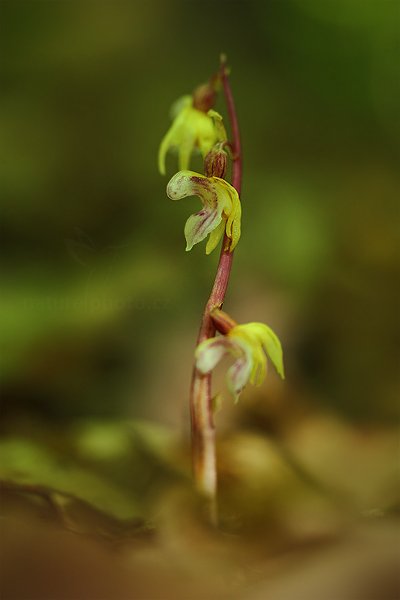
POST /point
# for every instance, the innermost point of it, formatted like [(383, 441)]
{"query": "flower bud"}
[(204, 97), (215, 162)]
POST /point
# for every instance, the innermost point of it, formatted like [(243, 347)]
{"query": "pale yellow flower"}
[(221, 212), (249, 344), (191, 128)]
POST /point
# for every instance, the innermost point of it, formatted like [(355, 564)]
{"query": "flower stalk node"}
[(222, 321)]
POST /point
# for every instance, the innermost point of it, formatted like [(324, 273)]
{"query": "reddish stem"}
[(202, 421)]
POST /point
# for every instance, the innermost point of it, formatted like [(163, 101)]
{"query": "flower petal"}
[(259, 369), (198, 226), (185, 150), (215, 237), (205, 131), (269, 341), (233, 223), (162, 152), (209, 353), (176, 134), (188, 183), (272, 347), (247, 336), (218, 125), (232, 210), (180, 105), (239, 373)]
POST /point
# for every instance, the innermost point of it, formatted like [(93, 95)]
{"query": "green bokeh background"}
[(101, 304)]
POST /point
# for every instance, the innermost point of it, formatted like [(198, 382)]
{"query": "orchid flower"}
[(221, 212), (249, 344), (191, 128)]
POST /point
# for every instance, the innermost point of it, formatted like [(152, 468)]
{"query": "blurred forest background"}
[(100, 304)]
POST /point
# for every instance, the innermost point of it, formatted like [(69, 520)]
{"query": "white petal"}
[(238, 375), (198, 226), (188, 183), (209, 353)]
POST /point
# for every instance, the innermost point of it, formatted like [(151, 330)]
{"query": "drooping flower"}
[(249, 344), (191, 128), (221, 212)]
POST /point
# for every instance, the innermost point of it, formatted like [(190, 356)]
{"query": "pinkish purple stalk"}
[(201, 410)]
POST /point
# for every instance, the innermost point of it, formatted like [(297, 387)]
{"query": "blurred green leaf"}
[(26, 462)]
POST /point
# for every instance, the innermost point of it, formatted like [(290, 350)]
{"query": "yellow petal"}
[(204, 130), (185, 150), (271, 344), (259, 370), (179, 105), (215, 237), (219, 125), (259, 334), (162, 152), (233, 225)]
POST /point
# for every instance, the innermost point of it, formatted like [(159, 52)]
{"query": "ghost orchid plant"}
[(198, 127)]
